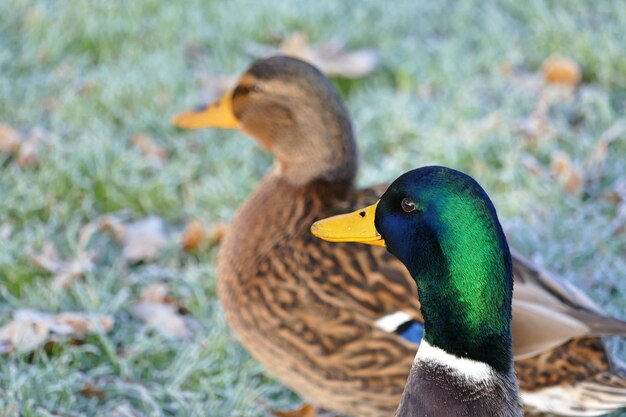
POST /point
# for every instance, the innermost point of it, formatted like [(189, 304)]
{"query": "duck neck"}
[(466, 298), (333, 166), (320, 146)]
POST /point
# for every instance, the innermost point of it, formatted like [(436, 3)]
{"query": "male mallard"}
[(339, 324), (441, 224)]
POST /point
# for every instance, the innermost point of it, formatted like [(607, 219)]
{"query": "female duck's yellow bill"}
[(218, 114), (357, 226)]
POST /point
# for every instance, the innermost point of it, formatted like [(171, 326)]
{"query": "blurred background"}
[(109, 216)]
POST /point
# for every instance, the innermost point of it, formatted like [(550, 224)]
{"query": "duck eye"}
[(255, 88), (408, 205)]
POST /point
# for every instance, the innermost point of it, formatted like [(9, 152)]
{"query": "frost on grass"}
[(438, 81), (146, 145), (331, 57)]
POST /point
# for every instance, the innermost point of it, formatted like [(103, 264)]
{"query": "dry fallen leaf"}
[(561, 70), (30, 149), (566, 173), (616, 193), (91, 390), (306, 410), (148, 148), (155, 293), (193, 236), (10, 139), (114, 225), (28, 155), (160, 311), (330, 57), (64, 271), (164, 318), (197, 234), (144, 239), (30, 329)]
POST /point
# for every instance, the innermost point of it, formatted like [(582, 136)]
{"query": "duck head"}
[(292, 110)]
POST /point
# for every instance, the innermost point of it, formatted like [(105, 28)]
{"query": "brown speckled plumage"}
[(307, 309)]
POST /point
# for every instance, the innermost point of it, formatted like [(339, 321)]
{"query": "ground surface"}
[(457, 86)]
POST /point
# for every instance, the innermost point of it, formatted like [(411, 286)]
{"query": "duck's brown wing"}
[(574, 379)]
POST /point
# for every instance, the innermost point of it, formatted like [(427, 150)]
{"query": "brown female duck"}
[(339, 323)]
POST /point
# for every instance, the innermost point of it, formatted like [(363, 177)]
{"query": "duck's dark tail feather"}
[(600, 325)]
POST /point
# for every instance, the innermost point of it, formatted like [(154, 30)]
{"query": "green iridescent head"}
[(442, 225)]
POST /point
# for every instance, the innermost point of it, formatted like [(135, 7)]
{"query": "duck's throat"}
[(327, 154), (465, 369), (467, 306)]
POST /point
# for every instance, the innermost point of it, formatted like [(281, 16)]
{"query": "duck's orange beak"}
[(218, 114), (357, 226)]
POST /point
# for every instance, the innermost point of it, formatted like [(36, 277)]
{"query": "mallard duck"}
[(339, 323), (443, 227)]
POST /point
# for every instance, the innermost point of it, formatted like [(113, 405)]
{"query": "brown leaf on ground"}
[(193, 236), (155, 293), (30, 149), (198, 235), (567, 173), (144, 239), (306, 410), (163, 318), (216, 233), (561, 70), (617, 192), (10, 140), (90, 390), (114, 225), (64, 271), (330, 57), (159, 293), (161, 311), (146, 146), (28, 155), (30, 329)]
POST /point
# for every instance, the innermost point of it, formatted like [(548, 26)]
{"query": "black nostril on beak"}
[(200, 108), (362, 214)]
